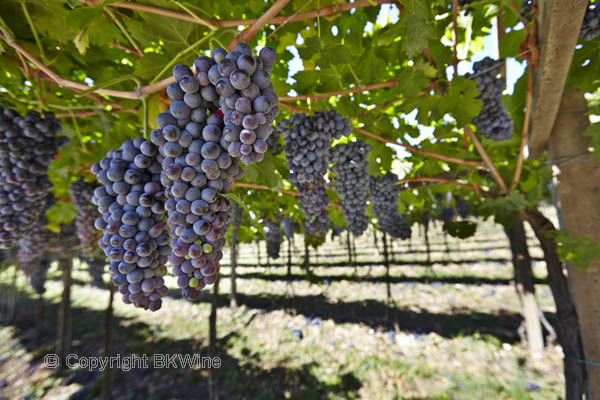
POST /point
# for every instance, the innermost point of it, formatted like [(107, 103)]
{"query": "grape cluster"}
[(222, 113), (288, 228), (384, 197), (590, 28), (37, 242), (236, 217), (81, 193), (493, 120), (27, 146), (135, 239), (462, 208), (307, 143), (527, 9), (273, 238), (351, 181), (33, 246), (274, 145), (447, 214), (96, 270), (237, 83), (38, 279)]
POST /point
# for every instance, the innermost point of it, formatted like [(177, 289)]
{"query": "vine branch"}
[(358, 89), (83, 114), (211, 23), (380, 106), (525, 131), (475, 187), (486, 159), (455, 34), (416, 150), (247, 34), (263, 187), (406, 146)]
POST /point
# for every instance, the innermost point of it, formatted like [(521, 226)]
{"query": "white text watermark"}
[(133, 361)]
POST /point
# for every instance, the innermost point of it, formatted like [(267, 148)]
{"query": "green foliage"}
[(505, 209), (578, 252), (94, 44), (417, 27), (460, 229), (594, 133), (461, 101)]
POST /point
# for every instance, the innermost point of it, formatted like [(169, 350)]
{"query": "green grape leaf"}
[(61, 213), (593, 131), (417, 26), (334, 55), (460, 229), (82, 41), (461, 101), (578, 252)]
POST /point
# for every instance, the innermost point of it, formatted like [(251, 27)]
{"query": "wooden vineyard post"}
[(258, 252), (579, 193), (12, 306), (306, 257), (64, 314), (212, 341), (234, 254), (349, 246), (289, 262), (39, 318), (354, 250), (427, 247), (524, 285), (387, 275), (108, 318)]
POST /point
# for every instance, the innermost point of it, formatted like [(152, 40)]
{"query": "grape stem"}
[(123, 30), (197, 19), (33, 30), (179, 55)]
